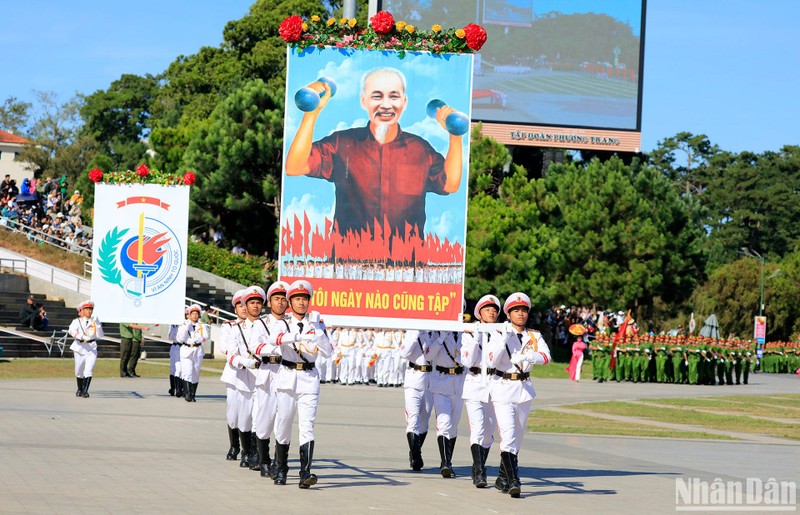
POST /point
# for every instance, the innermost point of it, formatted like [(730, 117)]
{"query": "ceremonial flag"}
[(621, 333)]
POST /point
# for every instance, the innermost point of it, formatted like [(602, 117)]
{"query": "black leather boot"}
[(449, 448), (306, 455), (444, 470), (247, 448), (178, 387), (281, 463), (194, 391), (172, 385), (79, 391), (484, 455), (512, 471), (477, 465), (254, 460), (187, 391), (264, 462), (501, 483), (233, 438), (86, 382), (414, 453)]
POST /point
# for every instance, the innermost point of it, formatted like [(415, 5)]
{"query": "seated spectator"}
[(42, 319), (237, 250), (28, 314), (76, 198)]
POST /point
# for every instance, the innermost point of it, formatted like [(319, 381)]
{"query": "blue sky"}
[(727, 69)]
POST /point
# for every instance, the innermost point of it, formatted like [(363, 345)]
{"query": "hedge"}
[(241, 269)]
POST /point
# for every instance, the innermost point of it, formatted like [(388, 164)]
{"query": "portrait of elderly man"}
[(379, 171)]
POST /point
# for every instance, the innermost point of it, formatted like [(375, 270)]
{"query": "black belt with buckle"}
[(271, 360), (452, 371), (514, 376), (297, 366), (475, 370), (420, 368)]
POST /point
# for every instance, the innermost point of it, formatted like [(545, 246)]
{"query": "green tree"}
[(751, 198), (732, 292), (14, 116), (683, 159), (56, 149), (117, 118), (624, 235), (237, 156)]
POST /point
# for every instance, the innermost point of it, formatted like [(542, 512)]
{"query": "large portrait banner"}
[(139, 254), (374, 198)]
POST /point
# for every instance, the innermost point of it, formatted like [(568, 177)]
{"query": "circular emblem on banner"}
[(144, 264)]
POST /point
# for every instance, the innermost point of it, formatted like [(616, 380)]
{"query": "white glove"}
[(308, 337), (248, 362), (507, 327), (313, 317), (517, 358)]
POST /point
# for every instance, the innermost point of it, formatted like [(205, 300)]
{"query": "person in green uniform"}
[(661, 365), (729, 362), (130, 347)]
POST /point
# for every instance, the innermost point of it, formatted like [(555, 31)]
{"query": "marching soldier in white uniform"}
[(86, 329), (245, 339), (229, 373), (480, 412), (266, 394), (446, 385), (298, 382), (191, 335), (175, 382), (347, 342), (418, 399), (511, 390)]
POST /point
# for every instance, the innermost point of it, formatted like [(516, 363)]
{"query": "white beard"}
[(380, 133)]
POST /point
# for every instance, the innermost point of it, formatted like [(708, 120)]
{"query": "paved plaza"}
[(131, 448)]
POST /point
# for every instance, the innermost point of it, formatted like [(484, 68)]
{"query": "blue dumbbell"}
[(307, 99), (457, 123)]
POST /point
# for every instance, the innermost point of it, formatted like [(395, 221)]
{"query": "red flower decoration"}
[(475, 35), (382, 22), (291, 28), (142, 170), (95, 175), (189, 178)]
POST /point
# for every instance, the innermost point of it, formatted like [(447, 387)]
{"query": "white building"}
[(10, 148)]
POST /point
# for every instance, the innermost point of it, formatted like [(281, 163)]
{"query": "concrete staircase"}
[(14, 290)]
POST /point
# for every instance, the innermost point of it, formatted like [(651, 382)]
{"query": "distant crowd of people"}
[(45, 212)]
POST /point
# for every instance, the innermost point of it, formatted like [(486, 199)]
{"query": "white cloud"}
[(443, 226), (347, 76), (430, 130), (312, 206)]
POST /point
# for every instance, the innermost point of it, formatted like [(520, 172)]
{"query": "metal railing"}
[(14, 265), (220, 314), (43, 237), (49, 273)]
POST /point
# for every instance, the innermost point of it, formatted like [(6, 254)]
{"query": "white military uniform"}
[(446, 385), (482, 421), (298, 389), (85, 331), (175, 383), (418, 399), (511, 390), (347, 342), (192, 335)]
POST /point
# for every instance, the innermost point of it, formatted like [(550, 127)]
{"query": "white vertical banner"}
[(139, 253)]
